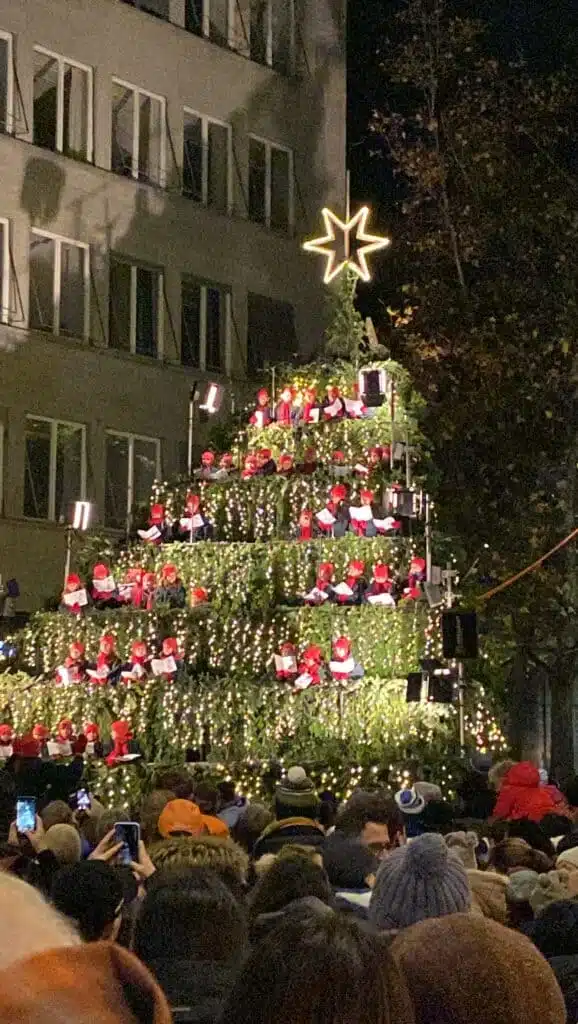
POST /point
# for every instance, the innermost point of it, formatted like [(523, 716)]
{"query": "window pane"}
[(4, 73), (190, 324), (147, 284), (41, 293), (73, 288), (215, 321), (75, 112), (193, 158), (116, 491), (68, 469), (218, 29), (45, 100), (119, 306), (122, 129), (194, 16), (149, 144), (270, 331), (257, 177), (281, 11), (160, 8), (144, 470), (279, 189), (37, 469), (258, 30), (3, 270), (218, 170)]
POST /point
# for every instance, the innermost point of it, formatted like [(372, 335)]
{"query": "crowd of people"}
[(391, 907)]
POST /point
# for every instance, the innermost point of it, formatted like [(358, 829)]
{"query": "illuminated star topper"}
[(346, 244)]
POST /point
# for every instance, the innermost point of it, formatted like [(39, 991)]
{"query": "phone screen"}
[(127, 833), (26, 814), (82, 800)]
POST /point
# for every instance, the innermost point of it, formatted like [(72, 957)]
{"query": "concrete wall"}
[(85, 381)]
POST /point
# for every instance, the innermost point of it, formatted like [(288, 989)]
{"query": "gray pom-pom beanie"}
[(423, 879)]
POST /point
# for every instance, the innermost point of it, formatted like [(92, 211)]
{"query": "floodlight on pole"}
[(79, 522)]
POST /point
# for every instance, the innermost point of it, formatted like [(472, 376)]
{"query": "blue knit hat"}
[(420, 880)]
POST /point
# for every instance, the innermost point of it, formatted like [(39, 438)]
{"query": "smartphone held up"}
[(127, 833)]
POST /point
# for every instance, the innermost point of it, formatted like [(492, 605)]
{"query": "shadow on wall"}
[(41, 190)]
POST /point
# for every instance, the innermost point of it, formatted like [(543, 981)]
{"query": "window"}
[(55, 467), (160, 8), (271, 33), (209, 18), (205, 325), (138, 133), (271, 334), (135, 306), (6, 83), (62, 105), (132, 465), (270, 185), (59, 285), (4, 271), (207, 162)]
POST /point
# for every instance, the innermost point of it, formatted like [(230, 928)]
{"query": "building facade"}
[(160, 163)]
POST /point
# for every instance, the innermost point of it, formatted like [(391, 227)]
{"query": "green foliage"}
[(345, 336)]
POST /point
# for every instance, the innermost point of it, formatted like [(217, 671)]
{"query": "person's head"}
[(568, 842), (219, 854), (420, 880), (57, 812), (151, 808), (532, 832), (207, 797), (227, 793), (252, 821), (520, 887), (348, 863), (64, 842), (293, 875), (374, 819), (489, 894), (514, 854), (464, 845), (498, 772), (296, 797), (190, 914), (179, 781), (570, 791), (555, 825), (319, 966), (29, 924), (465, 967), (90, 894), (555, 930), (108, 820)]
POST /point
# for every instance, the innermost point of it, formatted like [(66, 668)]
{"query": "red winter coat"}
[(522, 796)]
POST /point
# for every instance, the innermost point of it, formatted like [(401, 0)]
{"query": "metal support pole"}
[(68, 537), (407, 456), (461, 708), (428, 539), (192, 394)]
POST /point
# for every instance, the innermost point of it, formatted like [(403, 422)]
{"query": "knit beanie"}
[(464, 844), (64, 842), (420, 880), (568, 859), (297, 790), (549, 888), (489, 894), (428, 790), (464, 967), (348, 862), (521, 885), (90, 893)]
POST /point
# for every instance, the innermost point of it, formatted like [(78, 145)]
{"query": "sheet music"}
[(164, 666), (79, 597)]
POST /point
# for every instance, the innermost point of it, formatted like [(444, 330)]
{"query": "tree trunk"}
[(526, 711), (562, 719)]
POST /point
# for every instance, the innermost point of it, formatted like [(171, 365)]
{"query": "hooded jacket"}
[(278, 834), (522, 796)]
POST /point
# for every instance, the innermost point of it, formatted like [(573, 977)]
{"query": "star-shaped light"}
[(346, 244)]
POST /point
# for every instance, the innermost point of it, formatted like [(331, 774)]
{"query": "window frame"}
[(207, 120), (130, 469), (138, 91), (10, 119), (135, 265), (269, 146), (227, 312), (5, 273), (54, 425), (61, 61), (57, 280), (269, 37)]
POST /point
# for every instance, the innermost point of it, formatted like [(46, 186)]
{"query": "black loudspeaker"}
[(437, 689), (460, 635), (371, 390)]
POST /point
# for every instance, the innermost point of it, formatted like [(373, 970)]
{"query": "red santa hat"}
[(305, 517), (65, 728), (121, 730), (76, 649), (26, 746), (262, 396), (417, 565), (375, 453), (366, 494), (169, 571), (200, 595), (100, 571), (313, 654), (92, 732), (325, 571), (250, 461), (264, 454), (338, 457), (192, 502), (287, 648), (40, 733), (6, 734), (157, 513), (149, 579), (342, 647), (285, 460), (72, 581), (310, 394), (170, 646), (226, 460), (381, 572), (338, 492), (356, 568), (136, 649), (134, 574), (207, 458), (332, 390), (288, 393), (106, 640)]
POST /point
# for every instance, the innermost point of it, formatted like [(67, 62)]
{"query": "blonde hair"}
[(29, 924), (497, 774)]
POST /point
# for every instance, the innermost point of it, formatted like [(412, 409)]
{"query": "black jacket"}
[(196, 990), (44, 780)]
